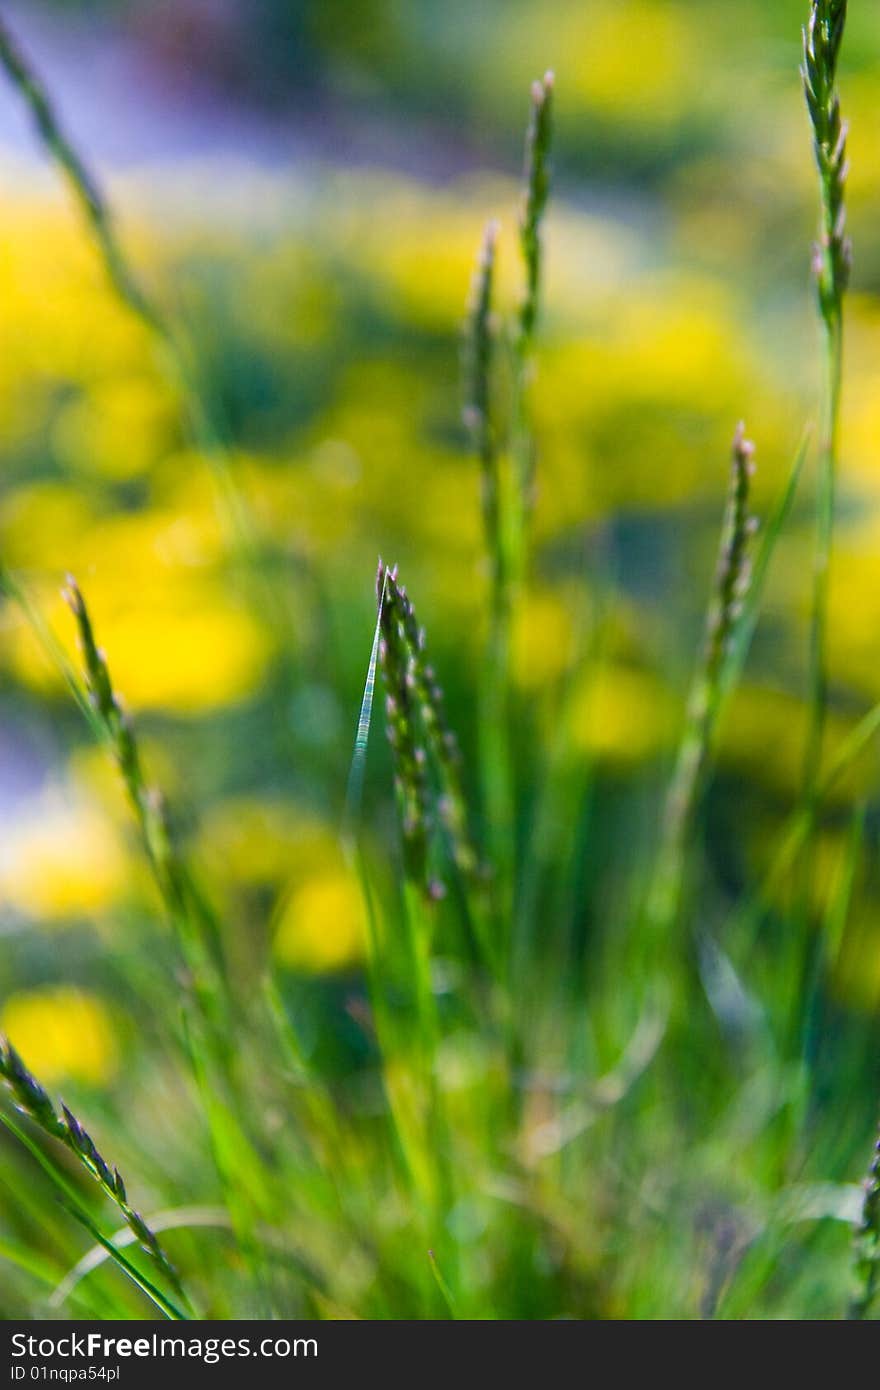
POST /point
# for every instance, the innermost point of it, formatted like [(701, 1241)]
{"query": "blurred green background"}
[(305, 186)]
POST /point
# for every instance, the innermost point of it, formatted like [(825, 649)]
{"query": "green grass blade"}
[(355, 789)]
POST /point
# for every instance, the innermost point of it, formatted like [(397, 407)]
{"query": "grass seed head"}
[(537, 190), (832, 258), (33, 1100)]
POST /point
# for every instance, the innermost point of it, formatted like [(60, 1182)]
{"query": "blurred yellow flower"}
[(419, 243), (542, 639), (621, 714), (321, 928), (762, 737), (190, 648), (41, 524), (60, 859), (856, 971), (61, 1034), (635, 61), (184, 659), (250, 841), (118, 428)]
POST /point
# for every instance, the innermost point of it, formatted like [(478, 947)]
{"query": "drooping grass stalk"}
[(70, 1201), (210, 1027), (867, 1251), (205, 424), (195, 925), (832, 258), (33, 1100), (80, 180), (724, 615)]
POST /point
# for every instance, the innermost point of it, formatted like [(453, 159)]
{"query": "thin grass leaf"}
[(823, 951), (355, 788), (799, 826), (445, 1291), (162, 1302), (180, 1218)]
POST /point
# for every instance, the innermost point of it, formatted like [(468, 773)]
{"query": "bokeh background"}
[(304, 184)]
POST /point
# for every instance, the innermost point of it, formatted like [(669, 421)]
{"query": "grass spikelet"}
[(405, 732), (204, 420), (416, 699), (32, 1100), (867, 1243), (537, 191), (832, 259), (725, 610), (506, 452), (477, 363), (823, 37)]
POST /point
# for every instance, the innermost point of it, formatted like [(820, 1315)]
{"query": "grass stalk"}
[(96, 214), (424, 747), (33, 1100), (507, 479), (81, 182), (478, 356), (210, 1027), (832, 258), (203, 419), (708, 688), (479, 366), (537, 191), (195, 926)]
